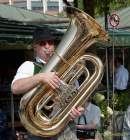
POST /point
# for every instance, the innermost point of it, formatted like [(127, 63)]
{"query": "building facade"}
[(45, 6)]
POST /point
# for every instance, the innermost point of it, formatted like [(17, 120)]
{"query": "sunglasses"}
[(43, 43)]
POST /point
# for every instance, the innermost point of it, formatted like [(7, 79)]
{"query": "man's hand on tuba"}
[(76, 112)]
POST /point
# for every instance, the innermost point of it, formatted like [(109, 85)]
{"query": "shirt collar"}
[(121, 65), (39, 60)]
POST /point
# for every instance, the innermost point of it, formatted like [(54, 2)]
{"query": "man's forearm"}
[(24, 85)]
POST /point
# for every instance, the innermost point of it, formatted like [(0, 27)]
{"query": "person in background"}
[(126, 125), (92, 115), (121, 76), (121, 85), (28, 77)]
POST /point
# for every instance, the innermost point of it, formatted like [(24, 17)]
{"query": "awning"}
[(17, 26), (27, 16), (119, 38)]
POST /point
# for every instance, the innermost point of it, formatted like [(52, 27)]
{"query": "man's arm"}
[(23, 85)]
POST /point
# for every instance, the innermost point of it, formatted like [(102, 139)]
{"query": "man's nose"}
[(49, 51)]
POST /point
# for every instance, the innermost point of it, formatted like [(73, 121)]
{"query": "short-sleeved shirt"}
[(121, 78), (26, 69), (92, 114)]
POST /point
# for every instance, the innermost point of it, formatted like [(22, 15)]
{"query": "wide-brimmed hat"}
[(42, 34)]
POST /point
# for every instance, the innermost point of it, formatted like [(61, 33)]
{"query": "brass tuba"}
[(45, 112)]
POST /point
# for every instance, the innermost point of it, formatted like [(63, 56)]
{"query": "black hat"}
[(42, 34)]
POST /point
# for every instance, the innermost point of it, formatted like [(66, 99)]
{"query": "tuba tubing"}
[(45, 112)]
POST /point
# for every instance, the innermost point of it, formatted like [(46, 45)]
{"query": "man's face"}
[(44, 49)]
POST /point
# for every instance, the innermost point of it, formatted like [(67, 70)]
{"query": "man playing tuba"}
[(27, 78)]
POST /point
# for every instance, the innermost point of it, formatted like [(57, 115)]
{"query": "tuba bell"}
[(45, 112)]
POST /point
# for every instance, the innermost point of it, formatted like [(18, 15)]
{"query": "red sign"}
[(114, 20)]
